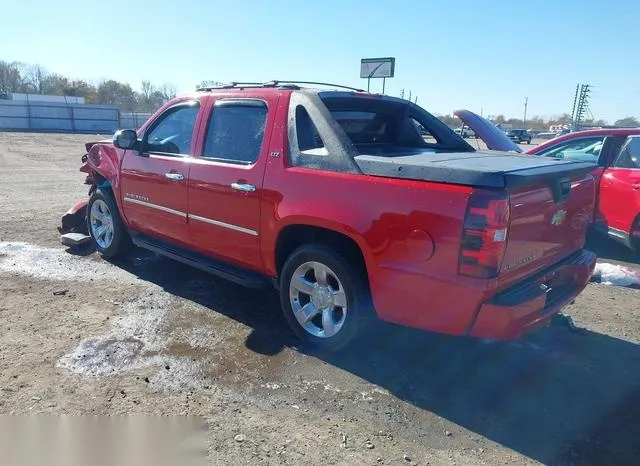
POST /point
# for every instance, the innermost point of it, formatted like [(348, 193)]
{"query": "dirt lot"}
[(80, 335)]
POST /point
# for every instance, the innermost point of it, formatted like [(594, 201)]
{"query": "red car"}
[(617, 153), (345, 201)]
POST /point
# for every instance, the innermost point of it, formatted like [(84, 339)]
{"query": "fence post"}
[(28, 111), (73, 125)]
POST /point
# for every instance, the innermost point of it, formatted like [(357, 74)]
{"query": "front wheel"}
[(322, 297), (105, 226)]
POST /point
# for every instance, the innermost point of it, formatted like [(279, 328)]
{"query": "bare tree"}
[(147, 90), (36, 78), (168, 91)]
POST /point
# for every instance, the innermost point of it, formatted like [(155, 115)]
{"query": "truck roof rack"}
[(281, 84)]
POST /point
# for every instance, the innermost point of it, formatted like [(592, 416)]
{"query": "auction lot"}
[(79, 335)]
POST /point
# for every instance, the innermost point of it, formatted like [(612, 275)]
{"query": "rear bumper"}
[(533, 302)]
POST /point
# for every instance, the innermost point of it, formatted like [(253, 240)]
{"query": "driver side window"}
[(172, 133)]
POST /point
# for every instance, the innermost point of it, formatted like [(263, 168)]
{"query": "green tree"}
[(10, 77), (116, 93), (627, 122)]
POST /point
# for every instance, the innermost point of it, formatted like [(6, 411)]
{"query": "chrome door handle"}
[(247, 188), (174, 176)]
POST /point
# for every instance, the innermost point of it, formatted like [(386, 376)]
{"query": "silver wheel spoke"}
[(306, 313), (99, 216), (328, 325), (320, 271), (100, 231), (340, 299), (302, 284)]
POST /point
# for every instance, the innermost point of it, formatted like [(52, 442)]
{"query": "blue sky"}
[(483, 55)]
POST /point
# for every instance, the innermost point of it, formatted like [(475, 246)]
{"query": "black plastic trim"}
[(230, 272)]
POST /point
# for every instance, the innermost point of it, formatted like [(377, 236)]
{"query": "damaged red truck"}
[(347, 202)]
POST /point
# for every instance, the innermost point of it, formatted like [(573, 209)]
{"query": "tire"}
[(301, 287), (108, 234), (634, 239)]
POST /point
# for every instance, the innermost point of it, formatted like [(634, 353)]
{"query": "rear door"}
[(620, 190), (225, 184), (154, 181)]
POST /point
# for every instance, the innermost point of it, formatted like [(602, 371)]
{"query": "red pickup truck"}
[(346, 202)]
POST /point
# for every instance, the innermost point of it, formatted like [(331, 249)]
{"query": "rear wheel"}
[(322, 297), (105, 226)]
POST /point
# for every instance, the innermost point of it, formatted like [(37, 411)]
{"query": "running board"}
[(235, 274)]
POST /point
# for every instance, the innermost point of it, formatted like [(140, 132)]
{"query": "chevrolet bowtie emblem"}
[(558, 217)]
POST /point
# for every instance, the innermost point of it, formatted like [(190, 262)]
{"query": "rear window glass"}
[(388, 125)]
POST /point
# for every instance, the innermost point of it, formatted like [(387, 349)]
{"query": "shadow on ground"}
[(609, 250), (557, 397)]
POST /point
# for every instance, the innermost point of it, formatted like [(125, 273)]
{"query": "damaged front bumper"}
[(75, 219)]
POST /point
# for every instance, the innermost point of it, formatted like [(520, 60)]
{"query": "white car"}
[(465, 132)]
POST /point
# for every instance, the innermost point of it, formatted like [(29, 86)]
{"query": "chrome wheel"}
[(318, 299), (101, 224)]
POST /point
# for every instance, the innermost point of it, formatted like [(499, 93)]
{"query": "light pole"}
[(524, 120)]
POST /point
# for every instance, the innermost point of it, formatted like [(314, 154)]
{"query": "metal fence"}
[(58, 117), (133, 120)]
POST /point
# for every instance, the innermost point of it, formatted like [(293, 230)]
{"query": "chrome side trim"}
[(155, 206), (224, 225)]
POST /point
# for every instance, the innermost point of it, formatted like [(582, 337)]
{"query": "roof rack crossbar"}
[(230, 85), (274, 83), (278, 82)]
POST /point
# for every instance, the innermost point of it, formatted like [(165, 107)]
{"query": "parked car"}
[(519, 136), (335, 198), (465, 132), (617, 154)]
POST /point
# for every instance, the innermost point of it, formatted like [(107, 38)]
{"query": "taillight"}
[(484, 234)]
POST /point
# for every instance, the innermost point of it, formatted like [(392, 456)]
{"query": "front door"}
[(620, 190), (225, 185), (154, 181)]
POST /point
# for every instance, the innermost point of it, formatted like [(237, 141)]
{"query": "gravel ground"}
[(79, 335)]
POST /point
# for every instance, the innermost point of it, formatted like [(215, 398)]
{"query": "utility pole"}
[(524, 120)]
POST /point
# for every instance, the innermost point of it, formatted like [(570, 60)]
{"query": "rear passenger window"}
[(582, 149), (629, 155), (235, 131)]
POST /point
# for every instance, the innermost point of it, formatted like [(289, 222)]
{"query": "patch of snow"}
[(137, 340), (54, 264), (618, 275)]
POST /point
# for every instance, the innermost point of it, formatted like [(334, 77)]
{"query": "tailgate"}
[(549, 219)]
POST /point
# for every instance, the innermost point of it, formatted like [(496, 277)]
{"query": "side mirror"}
[(125, 139)]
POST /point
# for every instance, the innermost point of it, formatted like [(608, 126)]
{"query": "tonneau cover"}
[(482, 169)]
